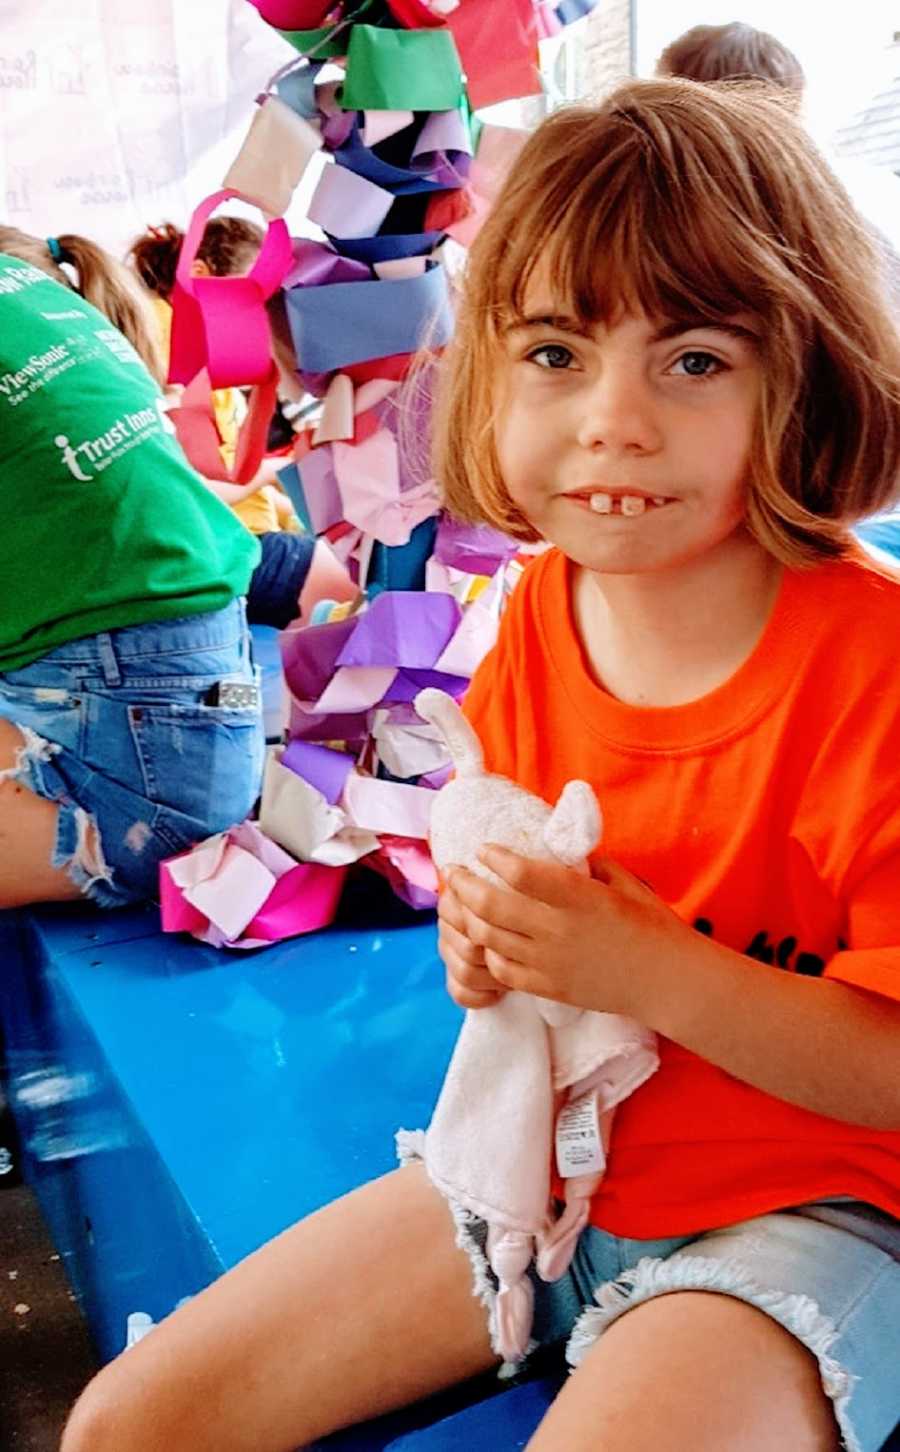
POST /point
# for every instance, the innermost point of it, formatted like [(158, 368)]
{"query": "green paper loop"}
[(307, 41), (401, 70)]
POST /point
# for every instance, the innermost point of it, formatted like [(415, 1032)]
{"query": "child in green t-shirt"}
[(128, 701)]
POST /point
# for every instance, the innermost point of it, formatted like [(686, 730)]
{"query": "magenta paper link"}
[(315, 263), (220, 323), (310, 656)]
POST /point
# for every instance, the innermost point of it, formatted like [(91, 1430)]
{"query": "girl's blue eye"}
[(551, 355), (698, 364)]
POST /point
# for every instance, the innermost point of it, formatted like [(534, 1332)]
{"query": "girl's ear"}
[(200, 269), (573, 827)]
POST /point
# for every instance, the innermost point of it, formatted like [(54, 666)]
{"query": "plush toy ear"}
[(440, 710), (574, 826)]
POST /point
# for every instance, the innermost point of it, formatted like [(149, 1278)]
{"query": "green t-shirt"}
[(104, 524)]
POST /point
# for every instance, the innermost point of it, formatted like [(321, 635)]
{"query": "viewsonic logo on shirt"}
[(87, 459)]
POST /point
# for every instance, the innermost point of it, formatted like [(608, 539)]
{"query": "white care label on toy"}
[(579, 1148)]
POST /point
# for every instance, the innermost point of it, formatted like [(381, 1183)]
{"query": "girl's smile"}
[(629, 503), (627, 444)]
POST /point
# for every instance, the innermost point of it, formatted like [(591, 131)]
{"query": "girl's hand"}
[(469, 982), (594, 942)]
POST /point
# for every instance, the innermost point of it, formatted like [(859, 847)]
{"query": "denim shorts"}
[(829, 1273), (274, 594), (119, 730)]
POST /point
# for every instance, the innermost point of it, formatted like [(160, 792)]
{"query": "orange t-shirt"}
[(767, 814)]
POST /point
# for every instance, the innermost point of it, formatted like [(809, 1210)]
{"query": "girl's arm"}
[(814, 1042), (284, 509), (231, 493), (234, 493)]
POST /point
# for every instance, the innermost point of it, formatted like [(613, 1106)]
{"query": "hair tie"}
[(54, 249)]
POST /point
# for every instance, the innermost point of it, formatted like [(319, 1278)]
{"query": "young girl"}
[(294, 569), (228, 248), (672, 364)]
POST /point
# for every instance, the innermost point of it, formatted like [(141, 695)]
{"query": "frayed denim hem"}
[(471, 1236), (798, 1314), (72, 850)]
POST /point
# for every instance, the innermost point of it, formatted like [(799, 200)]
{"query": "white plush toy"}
[(488, 1147)]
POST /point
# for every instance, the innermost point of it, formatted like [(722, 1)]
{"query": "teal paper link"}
[(289, 478)]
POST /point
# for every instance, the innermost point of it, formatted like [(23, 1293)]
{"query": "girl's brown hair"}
[(229, 246), (101, 280), (693, 203)]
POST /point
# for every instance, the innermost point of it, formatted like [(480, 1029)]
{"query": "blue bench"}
[(178, 1106)]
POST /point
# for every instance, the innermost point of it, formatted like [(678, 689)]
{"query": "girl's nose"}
[(618, 414)]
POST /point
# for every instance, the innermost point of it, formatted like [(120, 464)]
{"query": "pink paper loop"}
[(220, 323), (253, 891), (195, 424)]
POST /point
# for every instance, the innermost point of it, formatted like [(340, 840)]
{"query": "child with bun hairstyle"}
[(294, 569), (672, 365)]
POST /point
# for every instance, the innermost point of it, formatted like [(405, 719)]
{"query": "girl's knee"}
[(695, 1366), (95, 1422)]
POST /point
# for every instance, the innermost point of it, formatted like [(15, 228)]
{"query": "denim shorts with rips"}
[(122, 731)]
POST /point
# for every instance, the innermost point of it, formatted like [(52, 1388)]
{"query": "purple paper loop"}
[(315, 263), (309, 656), (323, 768), (476, 549), (402, 628)]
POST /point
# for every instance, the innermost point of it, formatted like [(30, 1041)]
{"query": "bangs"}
[(629, 224)]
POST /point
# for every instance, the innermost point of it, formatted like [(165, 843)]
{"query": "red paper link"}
[(394, 367), (414, 14), (497, 72), (446, 209), (195, 426)]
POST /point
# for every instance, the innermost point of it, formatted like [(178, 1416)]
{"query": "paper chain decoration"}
[(408, 167)]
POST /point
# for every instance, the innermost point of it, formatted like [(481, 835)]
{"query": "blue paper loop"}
[(351, 322), (569, 11), (386, 246), (297, 89), (397, 179)]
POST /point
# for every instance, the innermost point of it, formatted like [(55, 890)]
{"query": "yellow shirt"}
[(258, 512)]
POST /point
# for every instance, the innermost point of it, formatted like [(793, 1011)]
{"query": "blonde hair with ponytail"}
[(100, 280)]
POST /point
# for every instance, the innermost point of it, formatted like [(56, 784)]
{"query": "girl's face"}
[(627, 445)]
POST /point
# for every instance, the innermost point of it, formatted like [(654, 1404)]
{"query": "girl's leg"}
[(27, 837), (692, 1370), (364, 1307)]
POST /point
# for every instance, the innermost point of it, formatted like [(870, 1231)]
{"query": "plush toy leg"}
[(509, 1254), (556, 1246)]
